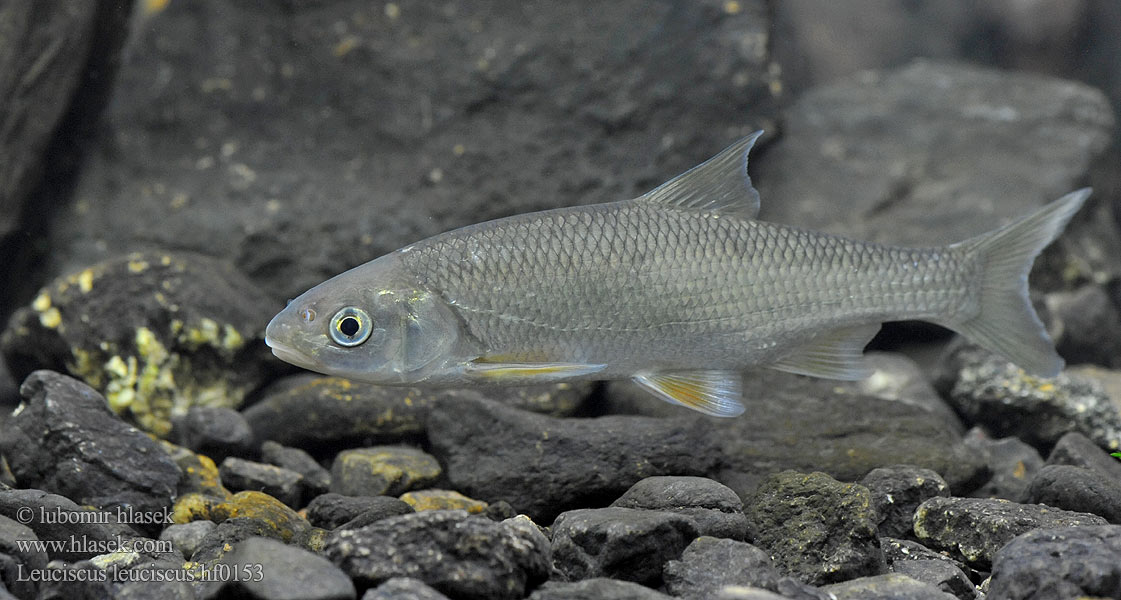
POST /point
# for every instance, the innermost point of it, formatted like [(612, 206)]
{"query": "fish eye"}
[(350, 326)]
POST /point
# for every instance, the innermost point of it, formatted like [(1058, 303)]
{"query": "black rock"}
[(66, 440), (74, 581), (1011, 462), (543, 465), (53, 517), (382, 471), (927, 566), (216, 431), (892, 586), (620, 543), (817, 529), (155, 590), (280, 483), (708, 564), (989, 390), (897, 550), (216, 544), (17, 561), (596, 588), (1067, 562), (461, 555), (187, 536), (332, 510), (1087, 326), (897, 491), (267, 569), (715, 508), (156, 333), (1077, 489), (852, 432), (316, 478), (974, 529), (1080, 451), (403, 588)]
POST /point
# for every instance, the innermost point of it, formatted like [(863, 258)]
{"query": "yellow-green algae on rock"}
[(442, 500), (156, 333)]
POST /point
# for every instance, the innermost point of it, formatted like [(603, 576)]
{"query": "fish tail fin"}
[(1007, 323)]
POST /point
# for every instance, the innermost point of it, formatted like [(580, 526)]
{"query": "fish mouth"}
[(290, 356)]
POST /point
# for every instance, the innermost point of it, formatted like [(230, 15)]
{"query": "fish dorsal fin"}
[(720, 184), (506, 372), (838, 354), (715, 393)]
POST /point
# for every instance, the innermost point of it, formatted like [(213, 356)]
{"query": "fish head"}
[(372, 323)]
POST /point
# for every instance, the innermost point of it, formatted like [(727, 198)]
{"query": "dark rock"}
[(278, 482), (897, 491), (187, 536), (852, 432), (74, 581), (1068, 562), (939, 574), (620, 543), (1011, 462), (214, 546), (547, 465), (316, 478), (200, 474), (708, 564), (53, 517), (309, 412), (555, 400), (332, 510), (270, 570), (816, 528), (155, 590), (1077, 489), (897, 550), (382, 471), (436, 499), (962, 139), (461, 555), (597, 588), (216, 431), (156, 333), (66, 440), (16, 562), (403, 588), (975, 528), (1078, 450), (1086, 326), (716, 509), (268, 516), (892, 586), (466, 114), (989, 390)]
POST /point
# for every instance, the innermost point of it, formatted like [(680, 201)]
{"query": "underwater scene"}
[(644, 299)]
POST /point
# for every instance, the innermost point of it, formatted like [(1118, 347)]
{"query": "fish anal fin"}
[(720, 184), (715, 393), (505, 372), (838, 354)]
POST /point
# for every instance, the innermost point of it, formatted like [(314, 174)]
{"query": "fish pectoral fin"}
[(715, 393), (836, 355), (720, 184), (498, 372)]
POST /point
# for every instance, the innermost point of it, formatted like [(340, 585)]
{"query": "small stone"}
[(817, 529), (442, 500), (280, 483), (1067, 562), (1011, 462), (186, 537), (54, 517), (216, 431), (316, 479), (460, 555), (382, 471), (596, 588), (259, 514), (1080, 451), (892, 586), (64, 439), (897, 491), (333, 510), (716, 509), (1077, 489), (709, 564), (200, 474), (403, 588), (974, 529), (1087, 324), (621, 543), (15, 559), (939, 574), (271, 570), (739, 592)]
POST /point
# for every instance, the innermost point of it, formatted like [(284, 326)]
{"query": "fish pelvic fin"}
[(714, 393), (1007, 323), (720, 184), (838, 354)]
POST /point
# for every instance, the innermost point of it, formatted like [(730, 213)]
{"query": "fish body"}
[(681, 290)]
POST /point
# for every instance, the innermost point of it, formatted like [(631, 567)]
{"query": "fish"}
[(682, 290)]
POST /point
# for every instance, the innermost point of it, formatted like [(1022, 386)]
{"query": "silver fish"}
[(680, 290)]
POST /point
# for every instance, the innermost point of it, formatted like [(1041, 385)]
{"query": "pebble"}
[(1067, 562), (403, 588), (596, 588), (442, 500), (216, 431), (1076, 489), (897, 491), (1080, 451), (280, 483), (1012, 463), (716, 509), (187, 537), (620, 543), (709, 564), (890, 586), (333, 510), (271, 570), (317, 480), (382, 471)]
